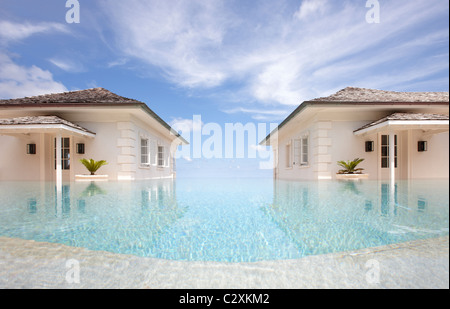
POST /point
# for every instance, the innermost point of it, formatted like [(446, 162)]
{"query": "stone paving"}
[(419, 265)]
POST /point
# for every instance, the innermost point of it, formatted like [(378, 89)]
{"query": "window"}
[(144, 152), (160, 156), (385, 151), (65, 153), (301, 151), (305, 151)]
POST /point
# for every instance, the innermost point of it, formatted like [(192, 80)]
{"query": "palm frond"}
[(92, 165), (349, 167)]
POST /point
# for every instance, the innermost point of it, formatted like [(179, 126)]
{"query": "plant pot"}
[(91, 177), (352, 176)]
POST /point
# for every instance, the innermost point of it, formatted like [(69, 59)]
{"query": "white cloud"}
[(118, 62), (186, 126), (310, 7), (260, 114), (19, 81), (68, 65), (180, 37), (10, 31), (275, 57)]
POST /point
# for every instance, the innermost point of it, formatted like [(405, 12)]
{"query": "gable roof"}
[(367, 97), (88, 96), (95, 97), (362, 95)]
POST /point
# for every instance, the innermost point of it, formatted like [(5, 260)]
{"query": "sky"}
[(227, 61)]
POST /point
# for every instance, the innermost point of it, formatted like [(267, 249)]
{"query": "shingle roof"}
[(368, 97), (353, 94), (405, 117), (91, 96), (40, 120)]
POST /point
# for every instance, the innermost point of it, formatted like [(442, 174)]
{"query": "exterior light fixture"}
[(80, 149), (370, 146), (31, 149), (422, 146)]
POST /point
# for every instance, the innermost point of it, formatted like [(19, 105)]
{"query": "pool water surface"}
[(225, 220)]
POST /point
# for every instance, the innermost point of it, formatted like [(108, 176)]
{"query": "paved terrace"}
[(418, 264)]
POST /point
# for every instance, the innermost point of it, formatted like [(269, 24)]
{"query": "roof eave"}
[(29, 128), (140, 105), (305, 104), (393, 124)]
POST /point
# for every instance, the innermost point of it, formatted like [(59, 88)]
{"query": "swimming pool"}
[(226, 220)]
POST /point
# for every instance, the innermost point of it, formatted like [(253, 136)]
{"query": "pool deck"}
[(419, 265)]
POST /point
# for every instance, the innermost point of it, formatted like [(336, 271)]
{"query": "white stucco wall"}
[(15, 164), (332, 139), (433, 163), (117, 141)]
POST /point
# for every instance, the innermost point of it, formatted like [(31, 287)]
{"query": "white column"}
[(58, 163), (392, 156), (392, 165), (42, 156)]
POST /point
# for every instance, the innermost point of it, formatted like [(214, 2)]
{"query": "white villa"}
[(365, 123), (44, 137)]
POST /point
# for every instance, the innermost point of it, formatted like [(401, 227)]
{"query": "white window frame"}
[(305, 151), (385, 159), (301, 151), (146, 155), (161, 161), (65, 153)]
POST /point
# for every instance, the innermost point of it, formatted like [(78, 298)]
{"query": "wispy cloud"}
[(68, 65), (311, 7), (179, 37), (260, 114), (118, 62), (280, 53), (10, 31)]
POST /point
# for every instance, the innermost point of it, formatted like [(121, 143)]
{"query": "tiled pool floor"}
[(417, 264)]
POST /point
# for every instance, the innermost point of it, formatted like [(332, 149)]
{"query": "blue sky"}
[(227, 60)]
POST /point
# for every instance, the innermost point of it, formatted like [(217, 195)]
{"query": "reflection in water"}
[(224, 220), (421, 204), (32, 205), (81, 206), (349, 186), (93, 189), (113, 216), (321, 217)]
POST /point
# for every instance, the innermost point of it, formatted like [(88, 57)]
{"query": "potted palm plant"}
[(350, 170), (92, 166)]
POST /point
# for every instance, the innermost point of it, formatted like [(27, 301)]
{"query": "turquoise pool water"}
[(228, 220)]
